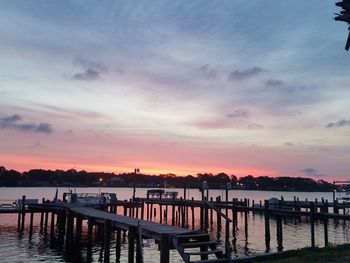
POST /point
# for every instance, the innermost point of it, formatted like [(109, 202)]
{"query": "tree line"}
[(74, 178)]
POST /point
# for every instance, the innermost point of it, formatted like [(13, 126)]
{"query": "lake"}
[(17, 247)]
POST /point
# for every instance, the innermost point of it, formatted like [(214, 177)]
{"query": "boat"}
[(90, 199)]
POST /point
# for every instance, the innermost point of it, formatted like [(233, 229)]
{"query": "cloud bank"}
[(13, 122)]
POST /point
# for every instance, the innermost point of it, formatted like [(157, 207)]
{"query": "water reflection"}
[(246, 236)]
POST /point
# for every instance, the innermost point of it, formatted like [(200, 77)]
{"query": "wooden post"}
[(139, 251), (31, 224), (118, 246), (246, 225), (107, 240), (325, 230), (23, 208), (192, 212), (46, 221), (234, 216), (160, 214), (166, 214), (89, 236), (173, 214), (131, 242), (142, 209), (312, 221), (151, 211), (70, 227), (42, 215), (206, 216), (218, 219), (19, 220), (147, 211), (279, 234), (211, 213), (52, 226), (227, 242), (226, 199), (335, 207), (164, 249), (78, 230), (61, 226), (267, 226), (201, 218)]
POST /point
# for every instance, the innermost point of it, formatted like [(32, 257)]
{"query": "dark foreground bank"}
[(336, 254)]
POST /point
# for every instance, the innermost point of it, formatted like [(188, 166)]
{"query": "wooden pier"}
[(176, 227)]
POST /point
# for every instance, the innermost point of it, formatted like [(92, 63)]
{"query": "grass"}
[(336, 254)]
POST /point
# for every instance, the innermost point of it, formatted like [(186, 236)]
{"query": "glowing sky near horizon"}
[(242, 87)]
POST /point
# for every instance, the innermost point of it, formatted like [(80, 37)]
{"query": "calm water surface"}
[(18, 247)]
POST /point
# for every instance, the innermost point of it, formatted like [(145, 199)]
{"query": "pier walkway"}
[(193, 246)]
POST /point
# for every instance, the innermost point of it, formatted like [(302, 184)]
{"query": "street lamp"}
[(100, 181)]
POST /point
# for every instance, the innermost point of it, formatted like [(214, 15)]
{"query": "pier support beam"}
[(164, 249), (118, 246), (107, 240), (267, 226), (131, 243), (31, 224), (89, 243), (78, 230)]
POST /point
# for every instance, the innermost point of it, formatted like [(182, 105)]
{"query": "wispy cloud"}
[(341, 123), (238, 114), (245, 73), (92, 69), (273, 82), (208, 72), (310, 171), (88, 63), (87, 75), (13, 122)]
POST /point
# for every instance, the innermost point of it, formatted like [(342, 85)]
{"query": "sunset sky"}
[(256, 87)]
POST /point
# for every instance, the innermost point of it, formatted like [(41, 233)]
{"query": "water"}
[(18, 247)]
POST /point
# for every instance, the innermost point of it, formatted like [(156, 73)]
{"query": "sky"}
[(242, 87)]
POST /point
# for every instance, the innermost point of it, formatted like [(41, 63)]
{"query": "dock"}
[(177, 225)]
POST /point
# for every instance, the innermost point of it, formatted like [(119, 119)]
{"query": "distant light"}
[(100, 179)]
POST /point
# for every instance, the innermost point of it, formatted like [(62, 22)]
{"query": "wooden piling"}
[(131, 243), (46, 220), (147, 211), (164, 249), (246, 225), (78, 229), (160, 214), (218, 218), (325, 231), (52, 225), (279, 233), (89, 242), (267, 226), (31, 224), (23, 208), (118, 246), (211, 213), (142, 209), (42, 215), (173, 214), (312, 222), (107, 240)]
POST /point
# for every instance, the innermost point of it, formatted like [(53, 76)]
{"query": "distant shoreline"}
[(146, 187)]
